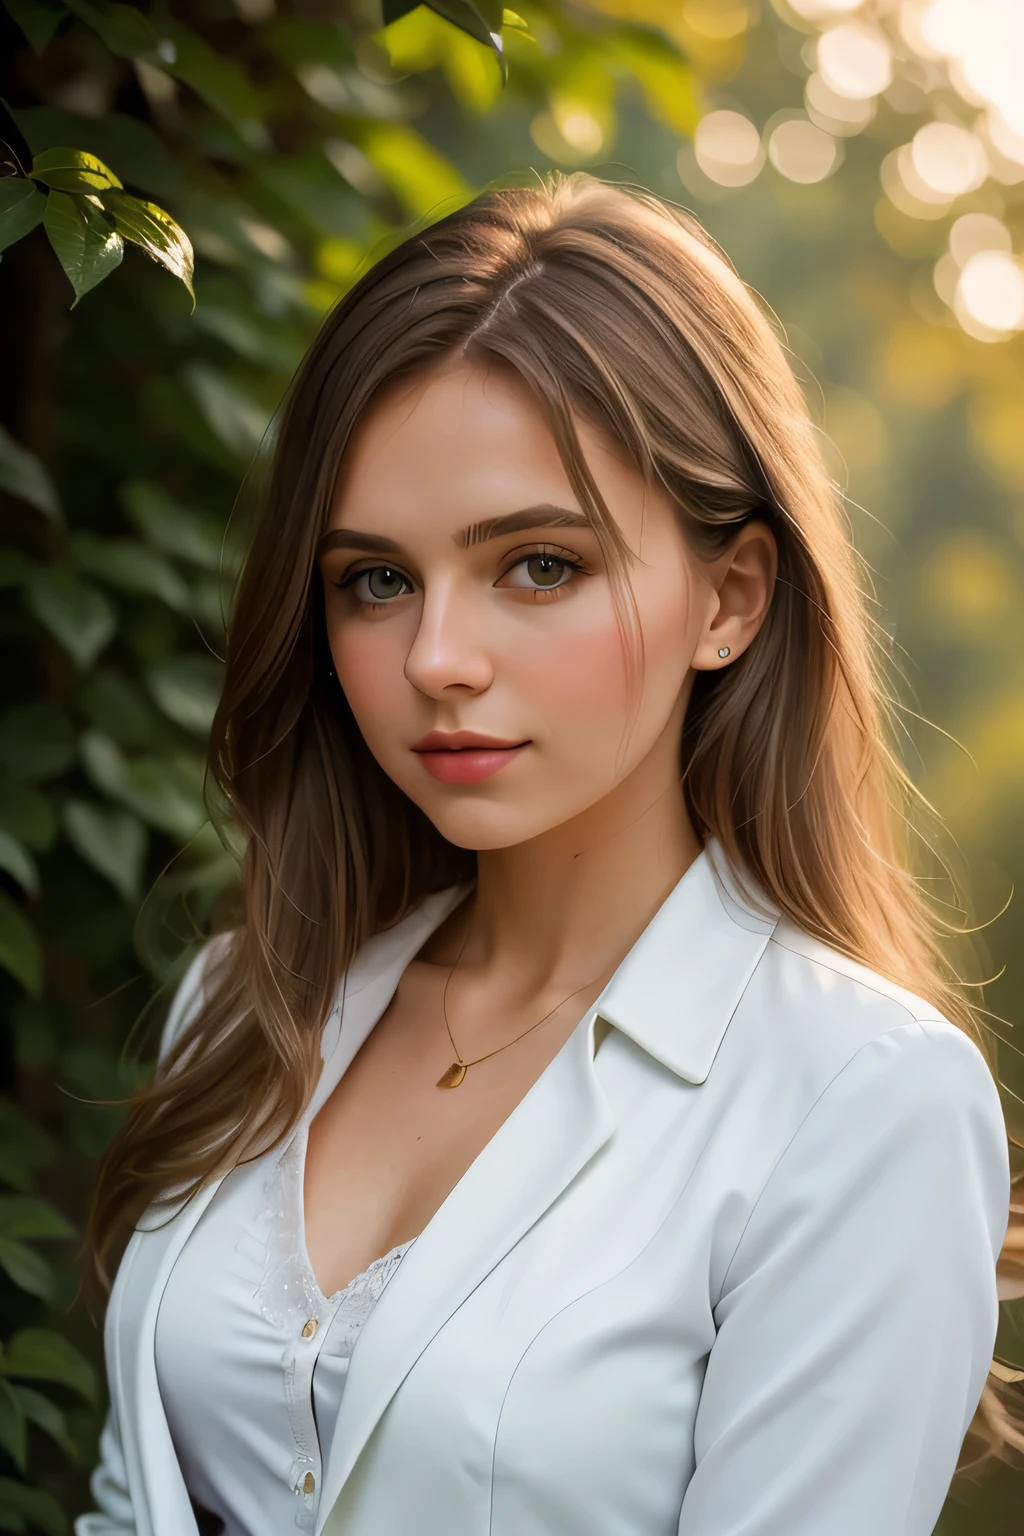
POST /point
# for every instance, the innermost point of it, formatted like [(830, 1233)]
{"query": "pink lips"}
[(465, 757)]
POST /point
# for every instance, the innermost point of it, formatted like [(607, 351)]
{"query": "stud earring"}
[(723, 651)]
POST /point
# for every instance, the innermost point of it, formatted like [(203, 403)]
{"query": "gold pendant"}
[(454, 1075)]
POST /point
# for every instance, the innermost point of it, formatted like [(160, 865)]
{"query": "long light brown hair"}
[(616, 308)]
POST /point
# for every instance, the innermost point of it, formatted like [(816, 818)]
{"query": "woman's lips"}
[(467, 765)]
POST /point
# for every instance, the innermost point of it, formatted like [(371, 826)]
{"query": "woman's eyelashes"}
[(376, 585), (543, 570), (540, 572)]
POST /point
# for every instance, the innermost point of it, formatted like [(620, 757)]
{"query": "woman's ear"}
[(744, 578)]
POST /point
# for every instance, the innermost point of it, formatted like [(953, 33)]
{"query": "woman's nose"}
[(449, 648)]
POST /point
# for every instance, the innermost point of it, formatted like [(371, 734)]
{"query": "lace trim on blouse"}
[(290, 1299)]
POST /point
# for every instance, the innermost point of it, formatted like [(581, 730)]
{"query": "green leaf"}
[(25, 813), (663, 75), (39, 1410), (127, 32), (394, 10), (27, 1217), (130, 565), (75, 612), (182, 531), (140, 156), (72, 170), (32, 1035), (26, 1268), (85, 244), (37, 19), (22, 475), (251, 336), (166, 792), (37, 741), (37, 1354), (15, 568), (217, 80), (39, 1508), (17, 862), (481, 19), (414, 170), (120, 709), (24, 1146), (148, 226), (111, 841), (187, 689), (10, 1521), (13, 1428), (20, 950), (22, 206), (234, 417)]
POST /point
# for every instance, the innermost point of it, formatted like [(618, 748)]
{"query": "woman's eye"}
[(378, 584), (540, 571)]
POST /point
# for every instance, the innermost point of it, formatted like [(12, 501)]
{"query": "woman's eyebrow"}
[(545, 515)]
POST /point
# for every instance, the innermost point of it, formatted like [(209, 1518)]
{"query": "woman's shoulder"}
[(375, 957), (190, 991), (831, 1014)]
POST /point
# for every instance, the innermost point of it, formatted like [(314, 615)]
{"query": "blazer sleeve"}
[(858, 1314), (109, 1482), (114, 1515)]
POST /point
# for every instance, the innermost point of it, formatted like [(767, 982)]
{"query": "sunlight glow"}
[(834, 112), (948, 159), (985, 38), (855, 60), (802, 151), (991, 293), (728, 148)]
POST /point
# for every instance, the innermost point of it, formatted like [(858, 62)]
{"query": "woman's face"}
[(470, 612)]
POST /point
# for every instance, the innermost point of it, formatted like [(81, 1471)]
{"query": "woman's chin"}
[(483, 829)]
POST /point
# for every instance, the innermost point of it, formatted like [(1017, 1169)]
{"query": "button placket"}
[(301, 1356), (292, 1301)]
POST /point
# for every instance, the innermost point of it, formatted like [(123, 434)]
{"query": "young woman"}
[(583, 1051)]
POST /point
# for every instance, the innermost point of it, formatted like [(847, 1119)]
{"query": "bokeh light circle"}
[(728, 148), (950, 160), (991, 291), (802, 151), (855, 60)]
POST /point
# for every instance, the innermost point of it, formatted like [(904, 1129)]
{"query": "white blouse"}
[(728, 1270), (251, 1356)]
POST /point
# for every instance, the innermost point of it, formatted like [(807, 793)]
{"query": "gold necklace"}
[(458, 1069)]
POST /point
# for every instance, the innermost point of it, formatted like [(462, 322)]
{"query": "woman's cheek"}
[(369, 664), (573, 684)]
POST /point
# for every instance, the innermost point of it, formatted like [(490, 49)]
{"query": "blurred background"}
[(861, 162)]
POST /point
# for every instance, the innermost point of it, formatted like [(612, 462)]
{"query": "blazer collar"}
[(673, 994), (678, 987)]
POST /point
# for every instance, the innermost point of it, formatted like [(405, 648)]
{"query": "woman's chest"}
[(403, 1141), (542, 1346), (561, 1394), (252, 1357)]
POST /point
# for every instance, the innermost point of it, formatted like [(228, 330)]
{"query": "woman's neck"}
[(572, 902)]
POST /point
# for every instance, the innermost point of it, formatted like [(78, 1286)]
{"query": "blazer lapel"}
[(555, 1130), (371, 983), (159, 1497), (158, 1490)]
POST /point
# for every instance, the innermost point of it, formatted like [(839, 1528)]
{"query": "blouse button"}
[(308, 1483), (308, 1331)]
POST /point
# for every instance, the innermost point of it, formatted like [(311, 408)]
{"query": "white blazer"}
[(731, 1275)]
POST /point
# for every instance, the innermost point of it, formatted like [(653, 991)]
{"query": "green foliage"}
[(263, 157), (260, 162)]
